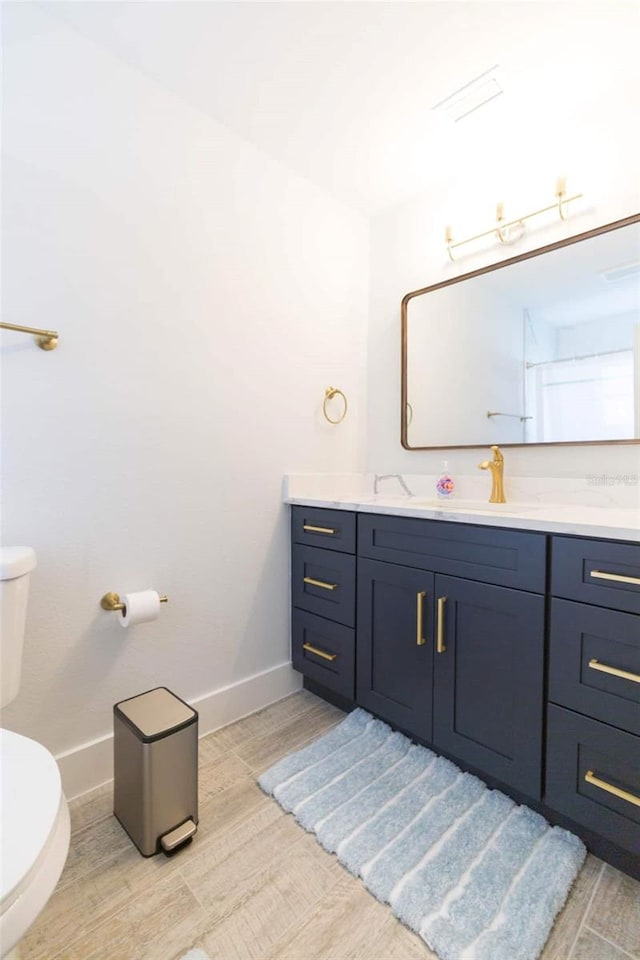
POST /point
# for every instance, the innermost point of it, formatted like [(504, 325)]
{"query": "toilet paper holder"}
[(111, 601)]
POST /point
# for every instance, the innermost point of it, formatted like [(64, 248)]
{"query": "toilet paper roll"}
[(139, 607)]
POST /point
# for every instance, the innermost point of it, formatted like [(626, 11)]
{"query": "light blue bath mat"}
[(196, 955), (474, 874)]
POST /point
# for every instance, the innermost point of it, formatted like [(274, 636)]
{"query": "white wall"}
[(205, 296), (408, 253), (450, 401)]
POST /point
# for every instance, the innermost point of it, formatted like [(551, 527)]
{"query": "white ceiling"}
[(342, 91)]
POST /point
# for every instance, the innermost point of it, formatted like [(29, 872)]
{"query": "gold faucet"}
[(497, 475)]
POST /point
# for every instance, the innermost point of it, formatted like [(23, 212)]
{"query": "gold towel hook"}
[(329, 394)]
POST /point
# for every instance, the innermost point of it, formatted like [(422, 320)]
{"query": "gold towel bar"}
[(46, 339), (609, 788), (111, 601), (614, 671), (319, 653), (616, 577)]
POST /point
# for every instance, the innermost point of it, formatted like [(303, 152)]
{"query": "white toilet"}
[(34, 815)]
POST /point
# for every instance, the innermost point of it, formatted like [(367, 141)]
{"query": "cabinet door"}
[(488, 680), (394, 671)]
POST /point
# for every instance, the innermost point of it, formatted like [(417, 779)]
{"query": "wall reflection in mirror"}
[(543, 349)]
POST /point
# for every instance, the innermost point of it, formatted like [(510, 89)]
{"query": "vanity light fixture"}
[(513, 230)]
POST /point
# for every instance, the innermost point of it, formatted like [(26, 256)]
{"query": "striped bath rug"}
[(474, 874)]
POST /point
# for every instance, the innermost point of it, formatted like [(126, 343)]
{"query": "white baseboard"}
[(91, 764)]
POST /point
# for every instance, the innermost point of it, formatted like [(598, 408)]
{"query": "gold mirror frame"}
[(404, 424)]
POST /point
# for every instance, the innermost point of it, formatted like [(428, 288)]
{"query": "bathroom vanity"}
[(509, 645)]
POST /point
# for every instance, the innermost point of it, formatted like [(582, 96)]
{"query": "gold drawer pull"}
[(609, 788), (614, 671), (420, 640), (616, 577), (440, 644), (319, 653), (320, 583), (312, 529)]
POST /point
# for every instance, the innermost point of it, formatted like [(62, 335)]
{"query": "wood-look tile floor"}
[(254, 886)]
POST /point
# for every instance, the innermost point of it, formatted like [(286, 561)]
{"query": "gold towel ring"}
[(329, 394)]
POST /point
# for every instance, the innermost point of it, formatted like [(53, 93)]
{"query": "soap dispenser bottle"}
[(445, 484)]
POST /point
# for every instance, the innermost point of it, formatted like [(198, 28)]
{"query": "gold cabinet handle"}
[(319, 653), (312, 529), (616, 577), (320, 583), (420, 639), (614, 671), (609, 788), (440, 644)]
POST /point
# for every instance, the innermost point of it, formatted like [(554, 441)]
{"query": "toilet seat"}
[(35, 833)]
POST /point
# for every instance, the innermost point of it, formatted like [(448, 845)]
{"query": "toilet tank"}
[(16, 564)]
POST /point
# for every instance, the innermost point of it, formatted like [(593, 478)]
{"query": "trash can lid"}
[(155, 713)]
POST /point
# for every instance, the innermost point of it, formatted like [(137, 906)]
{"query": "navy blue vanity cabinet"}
[(489, 680), (323, 583), (593, 723), (474, 596), (395, 645)]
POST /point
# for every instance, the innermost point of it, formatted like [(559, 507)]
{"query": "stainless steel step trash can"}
[(155, 795)]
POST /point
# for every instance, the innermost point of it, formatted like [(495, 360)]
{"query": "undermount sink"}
[(455, 505), (466, 506)]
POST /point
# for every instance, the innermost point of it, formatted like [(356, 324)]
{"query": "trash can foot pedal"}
[(177, 837)]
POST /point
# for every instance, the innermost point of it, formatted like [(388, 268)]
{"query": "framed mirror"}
[(543, 348)]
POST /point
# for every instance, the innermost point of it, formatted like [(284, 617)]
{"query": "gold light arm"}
[(319, 653), (420, 639), (312, 529), (319, 583), (614, 671), (616, 577), (609, 788), (46, 339), (440, 644)]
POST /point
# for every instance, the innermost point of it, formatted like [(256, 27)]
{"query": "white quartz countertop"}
[(610, 522)]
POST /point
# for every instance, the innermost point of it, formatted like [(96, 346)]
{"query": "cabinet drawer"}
[(594, 664), (596, 571), (316, 527), (504, 557), (324, 652), (324, 582), (593, 776)]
